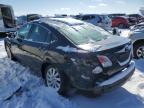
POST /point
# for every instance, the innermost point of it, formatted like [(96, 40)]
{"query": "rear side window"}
[(39, 34)]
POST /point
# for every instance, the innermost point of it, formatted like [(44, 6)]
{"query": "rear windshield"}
[(84, 33)]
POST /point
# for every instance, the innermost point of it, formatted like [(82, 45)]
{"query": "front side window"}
[(39, 34), (24, 31)]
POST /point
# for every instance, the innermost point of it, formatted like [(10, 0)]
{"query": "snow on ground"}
[(32, 93), (20, 89), (125, 32)]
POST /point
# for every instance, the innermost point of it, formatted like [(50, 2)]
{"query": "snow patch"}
[(69, 49), (21, 89)]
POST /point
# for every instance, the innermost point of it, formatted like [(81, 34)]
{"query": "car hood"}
[(111, 42), (138, 30)]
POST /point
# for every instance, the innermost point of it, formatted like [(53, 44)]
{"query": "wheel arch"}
[(43, 67), (49, 63), (138, 42)]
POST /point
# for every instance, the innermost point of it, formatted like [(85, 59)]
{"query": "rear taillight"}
[(105, 61)]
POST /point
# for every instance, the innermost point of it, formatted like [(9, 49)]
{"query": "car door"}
[(36, 46), (18, 42)]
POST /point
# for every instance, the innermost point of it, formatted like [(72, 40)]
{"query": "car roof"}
[(60, 22)]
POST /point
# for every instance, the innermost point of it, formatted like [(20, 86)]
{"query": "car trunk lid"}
[(117, 49)]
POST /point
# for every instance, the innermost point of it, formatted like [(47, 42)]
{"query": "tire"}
[(56, 80), (9, 54), (139, 51)]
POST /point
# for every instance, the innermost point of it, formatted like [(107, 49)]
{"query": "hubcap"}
[(53, 79), (140, 52), (8, 52)]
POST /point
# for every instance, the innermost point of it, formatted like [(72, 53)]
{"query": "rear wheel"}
[(139, 51), (56, 80)]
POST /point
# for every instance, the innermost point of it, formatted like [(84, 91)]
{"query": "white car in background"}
[(136, 34), (7, 19), (102, 21)]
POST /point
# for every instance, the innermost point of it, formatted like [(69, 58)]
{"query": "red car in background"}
[(119, 22)]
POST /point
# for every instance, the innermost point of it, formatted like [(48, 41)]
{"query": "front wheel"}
[(9, 54), (56, 80), (139, 51)]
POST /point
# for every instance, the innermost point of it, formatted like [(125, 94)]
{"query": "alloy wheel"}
[(140, 52), (53, 79)]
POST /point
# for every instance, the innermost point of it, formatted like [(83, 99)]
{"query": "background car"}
[(137, 26), (7, 19), (131, 20), (102, 21), (21, 20), (120, 22), (67, 52), (60, 16), (136, 34), (142, 10), (137, 17)]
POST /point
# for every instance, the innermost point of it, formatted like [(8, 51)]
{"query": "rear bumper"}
[(115, 81)]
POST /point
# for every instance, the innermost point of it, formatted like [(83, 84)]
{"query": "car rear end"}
[(96, 61), (115, 65)]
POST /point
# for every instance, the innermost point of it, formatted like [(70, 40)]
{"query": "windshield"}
[(84, 33)]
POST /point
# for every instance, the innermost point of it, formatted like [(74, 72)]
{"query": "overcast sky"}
[(50, 7)]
